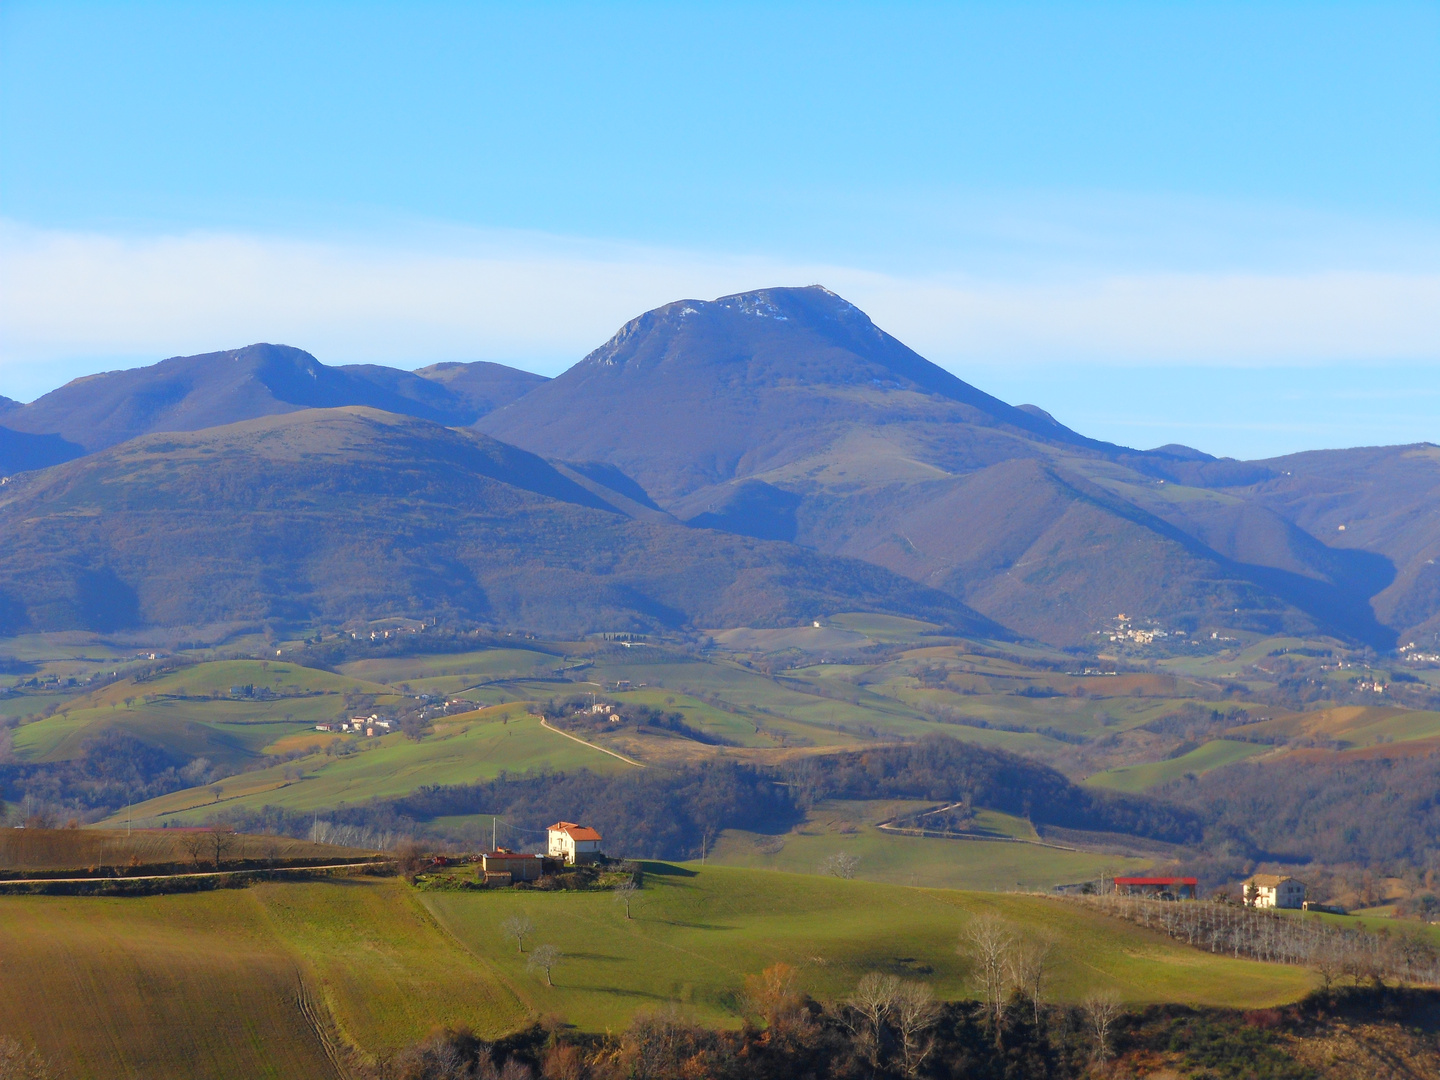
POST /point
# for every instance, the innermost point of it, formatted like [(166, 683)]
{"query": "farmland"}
[(765, 697), (463, 749), (217, 976), (1012, 860), (1214, 754)]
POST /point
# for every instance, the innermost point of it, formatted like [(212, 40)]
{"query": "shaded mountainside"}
[(354, 513), (1376, 506), (785, 414), (188, 393)]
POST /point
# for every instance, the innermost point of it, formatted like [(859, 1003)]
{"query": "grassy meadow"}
[(1214, 754), (464, 748), (211, 984), (893, 858)]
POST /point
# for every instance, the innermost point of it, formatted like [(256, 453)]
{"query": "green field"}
[(837, 826), (1211, 755), (212, 984), (464, 749)]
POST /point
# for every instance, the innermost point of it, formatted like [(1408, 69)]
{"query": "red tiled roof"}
[(1157, 881), (575, 832)]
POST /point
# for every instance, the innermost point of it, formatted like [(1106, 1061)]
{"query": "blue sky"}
[(1205, 223)]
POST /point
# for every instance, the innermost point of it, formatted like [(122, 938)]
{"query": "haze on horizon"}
[(1214, 224)]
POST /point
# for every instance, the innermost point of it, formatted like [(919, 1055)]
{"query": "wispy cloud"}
[(73, 298)]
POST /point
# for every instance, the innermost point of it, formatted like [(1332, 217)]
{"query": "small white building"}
[(1274, 891), (573, 843)]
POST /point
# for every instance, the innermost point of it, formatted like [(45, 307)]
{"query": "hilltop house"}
[(1273, 890), (574, 843)]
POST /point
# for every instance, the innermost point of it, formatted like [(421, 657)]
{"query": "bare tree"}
[(1030, 971), (518, 927), (544, 959), (625, 894), (194, 844), (871, 1004), (1101, 1010), (220, 840), (842, 865), (989, 942), (915, 1011), (1329, 961)]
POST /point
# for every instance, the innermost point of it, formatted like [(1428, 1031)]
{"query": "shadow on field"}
[(660, 869), (692, 925)]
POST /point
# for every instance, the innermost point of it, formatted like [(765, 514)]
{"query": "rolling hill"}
[(340, 514)]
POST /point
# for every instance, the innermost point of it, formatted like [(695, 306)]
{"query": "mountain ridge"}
[(353, 514)]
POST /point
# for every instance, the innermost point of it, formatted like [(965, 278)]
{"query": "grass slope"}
[(893, 858), (463, 749), (1212, 755), (698, 932), (210, 984)]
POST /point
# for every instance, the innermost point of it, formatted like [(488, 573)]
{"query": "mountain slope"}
[(786, 414), (188, 393), (352, 514), (1369, 504)]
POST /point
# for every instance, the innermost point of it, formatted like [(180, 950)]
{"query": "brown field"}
[(236, 983), (188, 986), (80, 849)]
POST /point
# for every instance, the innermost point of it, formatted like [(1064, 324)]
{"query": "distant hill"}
[(481, 385), (787, 414), (338, 514), (188, 393)]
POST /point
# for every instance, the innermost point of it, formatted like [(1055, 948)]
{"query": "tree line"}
[(1274, 937), (892, 1029)]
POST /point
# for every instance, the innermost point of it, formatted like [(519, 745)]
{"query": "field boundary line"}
[(628, 761), (193, 874)]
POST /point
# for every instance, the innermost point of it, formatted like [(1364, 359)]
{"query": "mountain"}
[(786, 414), (353, 514), (480, 385), (188, 393), (1378, 507)]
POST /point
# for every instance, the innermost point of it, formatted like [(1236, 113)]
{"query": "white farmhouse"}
[(1274, 891), (573, 843)]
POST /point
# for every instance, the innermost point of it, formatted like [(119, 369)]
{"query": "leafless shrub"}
[(842, 865), (17, 1062)]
